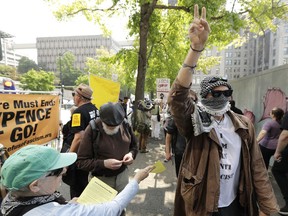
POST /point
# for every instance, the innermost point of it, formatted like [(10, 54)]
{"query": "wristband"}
[(195, 50), (189, 66)]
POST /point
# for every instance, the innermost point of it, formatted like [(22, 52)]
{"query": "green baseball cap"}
[(30, 163)]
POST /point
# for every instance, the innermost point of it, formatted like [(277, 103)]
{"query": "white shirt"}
[(229, 161)]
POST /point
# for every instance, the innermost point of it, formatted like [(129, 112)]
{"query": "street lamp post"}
[(61, 79)]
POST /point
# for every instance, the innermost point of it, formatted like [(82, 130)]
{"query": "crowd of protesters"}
[(221, 165)]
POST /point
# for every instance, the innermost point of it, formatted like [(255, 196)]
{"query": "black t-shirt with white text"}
[(80, 119)]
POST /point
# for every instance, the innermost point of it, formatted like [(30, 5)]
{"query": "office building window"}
[(285, 40), (286, 28)]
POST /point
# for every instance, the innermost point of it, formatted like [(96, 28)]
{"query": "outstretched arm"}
[(261, 135)]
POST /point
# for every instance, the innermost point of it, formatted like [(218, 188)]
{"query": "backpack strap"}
[(94, 137), (94, 128)]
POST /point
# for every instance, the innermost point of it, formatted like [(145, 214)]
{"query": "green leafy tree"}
[(126, 63), (8, 71), (145, 20), (26, 64), (101, 64), (69, 73), (82, 79), (38, 81)]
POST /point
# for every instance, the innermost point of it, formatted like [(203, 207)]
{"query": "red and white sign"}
[(163, 88)]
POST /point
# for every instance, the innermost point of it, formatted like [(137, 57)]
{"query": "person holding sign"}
[(32, 176), (222, 170)]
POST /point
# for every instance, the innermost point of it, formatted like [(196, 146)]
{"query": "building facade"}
[(172, 2), (49, 49), (258, 53), (8, 54)]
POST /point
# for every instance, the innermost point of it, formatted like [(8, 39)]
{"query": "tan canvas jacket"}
[(198, 183)]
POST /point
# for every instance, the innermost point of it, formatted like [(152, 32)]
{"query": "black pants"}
[(267, 154), (80, 183), (280, 172), (178, 159), (234, 209)]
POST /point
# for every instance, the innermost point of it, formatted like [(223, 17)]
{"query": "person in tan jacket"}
[(222, 171)]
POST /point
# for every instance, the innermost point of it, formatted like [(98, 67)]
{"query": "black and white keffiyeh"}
[(202, 118), (12, 206), (210, 83)]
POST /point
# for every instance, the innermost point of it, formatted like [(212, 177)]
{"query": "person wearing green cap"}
[(32, 176)]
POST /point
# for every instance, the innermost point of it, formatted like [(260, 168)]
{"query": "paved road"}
[(156, 194)]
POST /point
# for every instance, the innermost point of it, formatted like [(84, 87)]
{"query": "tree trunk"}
[(146, 11)]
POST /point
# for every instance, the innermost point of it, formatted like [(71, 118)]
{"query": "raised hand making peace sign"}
[(198, 34), (199, 30)]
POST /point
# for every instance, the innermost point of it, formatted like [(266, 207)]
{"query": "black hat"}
[(112, 114)]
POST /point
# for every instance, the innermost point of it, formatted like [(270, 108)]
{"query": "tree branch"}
[(171, 7), (111, 8)]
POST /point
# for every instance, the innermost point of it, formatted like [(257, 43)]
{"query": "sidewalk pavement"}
[(156, 194)]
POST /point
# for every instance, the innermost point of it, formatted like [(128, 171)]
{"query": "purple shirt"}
[(270, 140)]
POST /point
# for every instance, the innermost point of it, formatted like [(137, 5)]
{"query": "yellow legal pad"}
[(97, 192)]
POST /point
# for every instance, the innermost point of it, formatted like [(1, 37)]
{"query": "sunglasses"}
[(56, 172), (226, 93), (216, 79)]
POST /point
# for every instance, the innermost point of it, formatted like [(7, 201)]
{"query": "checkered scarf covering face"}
[(206, 86)]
